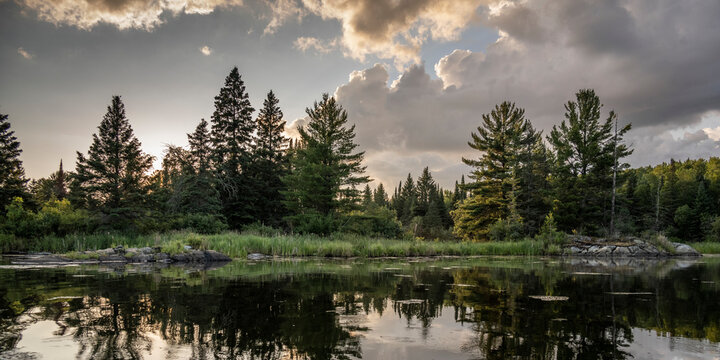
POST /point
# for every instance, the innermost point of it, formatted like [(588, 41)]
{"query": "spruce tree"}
[(498, 140), (380, 196), (326, 170), (271, 162), (202, 196), (425, 187), (584, 149), (232, 139), (54, 187), (407, 200), (12, 174), (112, 173), (367, 198)]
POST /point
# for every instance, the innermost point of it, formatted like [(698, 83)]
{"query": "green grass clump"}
[(707, 247)]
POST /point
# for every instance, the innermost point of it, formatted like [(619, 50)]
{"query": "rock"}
[(257, 256), (106, 252), (621, 251), (685, 250), (575, 250), (604, 251), (211, 255), (161, 257), (187, 247), (147, 250)]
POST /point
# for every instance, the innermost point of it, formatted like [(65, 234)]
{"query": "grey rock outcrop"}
[(626, 247)]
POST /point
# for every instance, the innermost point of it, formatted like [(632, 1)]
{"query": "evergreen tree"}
[(201, 149), (112, 175), (232, 136), (380, 196), (406, 200), (12, 174), (424, 189), (584, 149), (271, 162), (532, 188), (326, 170), (54, 187), (498, 139), (367, 198), (202, 196)]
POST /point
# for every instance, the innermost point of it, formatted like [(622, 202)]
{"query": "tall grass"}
[(239, 245), (707, 247)]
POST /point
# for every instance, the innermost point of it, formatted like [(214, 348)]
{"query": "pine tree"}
[(425, 187), (583, 150), (380, 196), (12, 174), (532, 170), (54, 187), (111, 176), (271, 162), (407, 199), (497, 139), (367, 198), (201, 148), (326, 170), (232, 136)]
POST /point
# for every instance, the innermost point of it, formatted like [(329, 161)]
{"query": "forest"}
[(241, 171)]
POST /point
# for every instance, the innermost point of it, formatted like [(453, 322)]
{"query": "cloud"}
[(206, 50), (305, 44), (124, 14), (25, 54), (713, 133), (281, 11), (395, 30), (656, 66)]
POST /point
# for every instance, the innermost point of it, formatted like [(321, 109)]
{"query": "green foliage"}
[(325, 170), (260, 229), (549, 234), (506, 230), (55, 217), (374, 222), (112, 175), (201, 223), (584, 150), (12, 174), (270, 163), (232, 136), (499, 139)]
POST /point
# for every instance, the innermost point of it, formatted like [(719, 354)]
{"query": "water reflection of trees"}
[(312, 315)]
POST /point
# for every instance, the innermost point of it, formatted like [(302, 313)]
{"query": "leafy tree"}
[(271, 162), (584, 153), (498, 139), (112, 175), (232, 135), (12, 174), (326, 170)]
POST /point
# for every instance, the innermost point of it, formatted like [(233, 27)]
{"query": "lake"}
[(476, 308)]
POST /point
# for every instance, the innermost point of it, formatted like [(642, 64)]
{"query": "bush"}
[(313, 223), (548, 234), (376, 222), (201, 223), (506, 230), (260, 229)]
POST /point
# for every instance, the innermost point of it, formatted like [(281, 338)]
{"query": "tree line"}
[(240, 169)]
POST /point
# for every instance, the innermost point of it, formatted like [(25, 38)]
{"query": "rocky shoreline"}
[(625, 247), (121, 255)]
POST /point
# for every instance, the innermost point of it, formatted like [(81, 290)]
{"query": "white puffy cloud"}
[(206, 50), (124, 14), (25, 54)]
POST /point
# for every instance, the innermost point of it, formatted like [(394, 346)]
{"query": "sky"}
[(414, 75)]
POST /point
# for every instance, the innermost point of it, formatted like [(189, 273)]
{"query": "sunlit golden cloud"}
[(206, 50), (124, 14)]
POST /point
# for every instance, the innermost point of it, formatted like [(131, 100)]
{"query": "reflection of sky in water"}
[(388, 338), (334, 310)]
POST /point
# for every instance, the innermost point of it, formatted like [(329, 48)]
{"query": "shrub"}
[(376, 221), (548, 234), (506, 230), (260, 229), (314, 223), (201, 223)]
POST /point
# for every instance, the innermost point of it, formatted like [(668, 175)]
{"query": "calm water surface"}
[(481, 308)]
